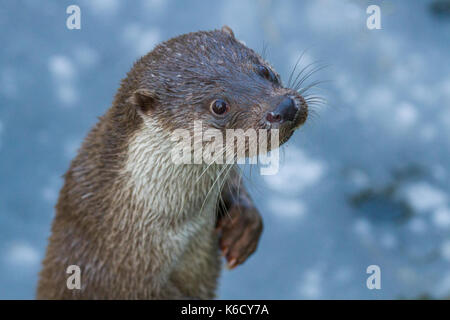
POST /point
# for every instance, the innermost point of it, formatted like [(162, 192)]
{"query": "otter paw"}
[(240, 230)]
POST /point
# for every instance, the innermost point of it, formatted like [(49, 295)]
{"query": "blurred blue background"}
[(364, 182)]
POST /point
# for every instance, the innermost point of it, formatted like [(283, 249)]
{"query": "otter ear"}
[(228, 31), (143, 100)]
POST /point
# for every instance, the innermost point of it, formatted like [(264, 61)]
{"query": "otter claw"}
[(240, 232)]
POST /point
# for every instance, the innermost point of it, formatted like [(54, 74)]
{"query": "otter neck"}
[(164, 189)]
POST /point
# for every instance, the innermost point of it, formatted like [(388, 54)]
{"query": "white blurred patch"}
[(298, 172), (358, 178), (102, 7), (21, 254), (71, 147), (334, 16), (407, 275), (64, 73), (417, 225), (147, 41), (8, 83), (86, 56), (445, 250), (442, 289), (240, 15), (51, 190), (346, 87), (67, 94), (378, 102), (310, 287), (153, 5), (43, 137), (362, 228), (439, 172), (409, 69), (445, 118), (389, 241), (428, 132), (389, 48), (142, 40), (406, 115), (381, 95), (400, 73), (422, 93), (287, 208), (444, 88), (343, 274), (50, 194), (423, 197), (61, 67), (441, 217), (1, 131)]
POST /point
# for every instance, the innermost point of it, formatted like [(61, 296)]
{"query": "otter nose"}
[(285, 111)]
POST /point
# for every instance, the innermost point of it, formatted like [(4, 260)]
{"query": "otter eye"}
[(267, 74), (219, 107)]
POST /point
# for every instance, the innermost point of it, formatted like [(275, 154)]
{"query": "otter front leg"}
[(239, 222)]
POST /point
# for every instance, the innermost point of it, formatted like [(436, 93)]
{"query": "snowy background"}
[(364, 182)]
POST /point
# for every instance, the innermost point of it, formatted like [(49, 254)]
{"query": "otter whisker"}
[(312, 85), (295, 67), (209, 165), (235, 198), (313, 98), (226, 169), (218, 176), (304, 69), (316, 103), (264, 50), (247, 179), (313, 113), (308, 75)]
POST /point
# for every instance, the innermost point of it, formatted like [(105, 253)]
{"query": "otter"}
[(151, 229)]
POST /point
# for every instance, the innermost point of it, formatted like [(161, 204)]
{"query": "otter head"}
[(214, 78)]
